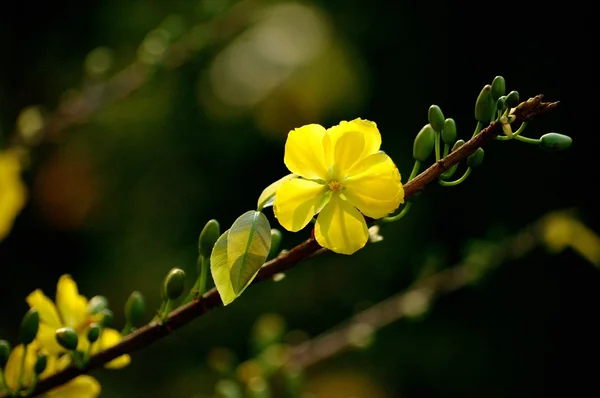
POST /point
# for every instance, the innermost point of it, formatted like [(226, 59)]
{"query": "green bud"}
[(108, 318), (174, 283), (449, 132), (484, 105), (275, 242), (208, 238), (424, 143), (475, 159), (40, 364), (97, 304), (29, 326), (67, 338), (512, 99), (93, 333), (554, 142), (134, 308), (435, 117), (228, 389), (457, 145), (501, 104), (4, 352), (498, 87)]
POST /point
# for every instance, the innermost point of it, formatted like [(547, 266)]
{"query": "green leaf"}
[(267, 197), (239, 253)]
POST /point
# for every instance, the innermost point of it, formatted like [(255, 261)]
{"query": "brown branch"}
[(152, 332)]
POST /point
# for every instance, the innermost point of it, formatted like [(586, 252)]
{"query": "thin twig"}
[(152, 332)]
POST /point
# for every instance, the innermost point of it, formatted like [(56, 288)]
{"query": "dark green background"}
[(157, 166)]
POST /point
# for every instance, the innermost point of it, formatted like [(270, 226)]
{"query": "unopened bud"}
[(174, 283), (93, 333), (475, 159), (108, 318), (554, 142), (97, 304), (275, 242), (484, 105), (424, 143), (29, 326), (67, 338), (501, 104), (512, 99), (134, 308), (498, 87), (435, 117), (449, 132), (4, 352), (208, 237), (40, 364)]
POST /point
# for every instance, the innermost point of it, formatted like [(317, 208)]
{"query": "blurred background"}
[(147, 118)]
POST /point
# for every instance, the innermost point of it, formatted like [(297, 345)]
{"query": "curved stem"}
[(456, 182), (446, 150), (398, 216), (203, 277), (534, 141), (437, 146), (415, 170), (477, 129)]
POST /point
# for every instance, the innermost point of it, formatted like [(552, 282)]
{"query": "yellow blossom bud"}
[(424, 143), (67, 338), (449, 132), (40, 364), (498, 87), (174, 283), (208, 237), (555, 142), (4, 352), (97, 304), (29, 326), (134, 308), (484, 105), (475, 159), (436, 118), (93, 333)]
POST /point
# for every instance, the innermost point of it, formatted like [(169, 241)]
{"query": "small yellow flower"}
[(12, 190), (71, 310), (80, 387), (341, 175)]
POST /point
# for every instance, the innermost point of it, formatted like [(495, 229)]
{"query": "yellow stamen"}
[(335, 186)]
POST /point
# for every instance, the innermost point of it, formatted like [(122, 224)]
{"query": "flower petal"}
[(340, 227), (375, 186), (297, 201), (71, 305), (368, 129), (12, 369), (109, 338), (46, 338), (45, 307), (83, 386), (348, 150), (304, 153)]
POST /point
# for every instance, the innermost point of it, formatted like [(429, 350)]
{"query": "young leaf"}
[(267, 197), (239, 253), (249, 243)]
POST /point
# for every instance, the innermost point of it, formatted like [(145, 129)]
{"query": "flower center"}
[(335, 185)]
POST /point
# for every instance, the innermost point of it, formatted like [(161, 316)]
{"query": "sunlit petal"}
[(297, 201), (12, 369), (80, 387), (46, 337), (304, 155), (45, 307), (348, 150), (369, 131), (71, 305), (375, 187), (111, 337), (340, 227)]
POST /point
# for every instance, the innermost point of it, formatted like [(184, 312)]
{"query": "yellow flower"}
[(71, 310), (342, 174), (12, 191), (80, 387)]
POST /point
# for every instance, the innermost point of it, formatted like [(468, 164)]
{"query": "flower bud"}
[(498, 87), (449, 132), (174, 283), (97, 304), (107, 318), (435, 117), (554, 142), (4, 352), (67, 338), (275, 242), (501, 104), (93, 333), (457, 145), (40, 364), (484, 105), (475, 159), (134, 308), (424, 143), (208, 237), (512, 99), (29, 326)]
